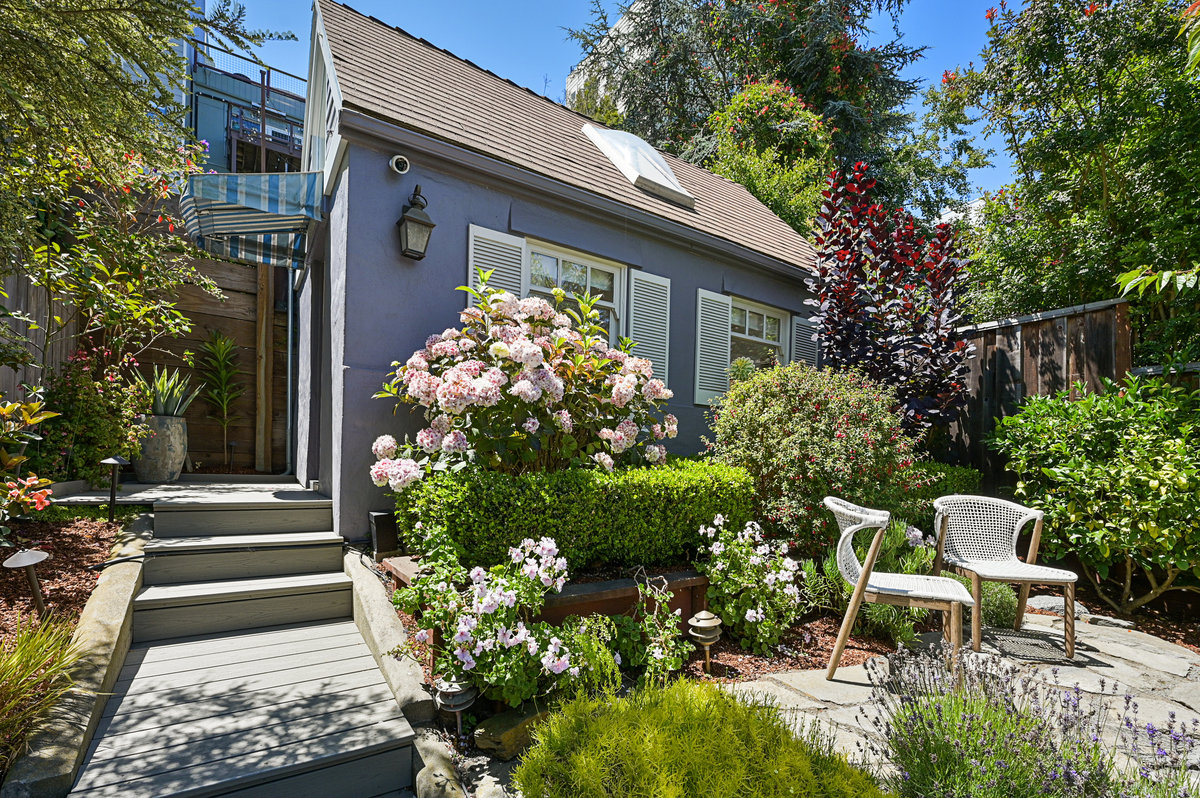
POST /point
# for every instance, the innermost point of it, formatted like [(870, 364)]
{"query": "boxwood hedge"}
[(634, 516)]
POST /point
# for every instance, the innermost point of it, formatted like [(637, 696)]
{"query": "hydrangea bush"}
[(484, 618), (525, 385), (751, 583)]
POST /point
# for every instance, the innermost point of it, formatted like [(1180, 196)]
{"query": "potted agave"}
[(164, 451)]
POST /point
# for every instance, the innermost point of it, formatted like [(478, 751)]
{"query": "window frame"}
[(619, 271), (750, 306)]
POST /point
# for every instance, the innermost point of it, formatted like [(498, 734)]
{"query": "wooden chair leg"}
[(844, 634), (976, 613), (956, 620), (1022, 599), (1069, 617)]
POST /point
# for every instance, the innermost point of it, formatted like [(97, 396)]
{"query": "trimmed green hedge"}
[(633, 516), (917, 506)]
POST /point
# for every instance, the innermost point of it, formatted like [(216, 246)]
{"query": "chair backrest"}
[(851, 518), (980, 527)]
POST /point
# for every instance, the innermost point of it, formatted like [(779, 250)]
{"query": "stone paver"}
[(1162, 677)]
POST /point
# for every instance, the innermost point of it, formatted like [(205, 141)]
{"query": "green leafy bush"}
[(929, 481), (999, 601), (636, 516), (98, 407), (649, 639), (1117, 473), (805, 434), (898, 553), (34, 673), (686, 739)]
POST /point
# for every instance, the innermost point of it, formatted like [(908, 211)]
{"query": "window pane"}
[(543, 271), (738, 320), (764, 355), (772, 328), (574, 278), (605, 320), (602, 284), (756, 325)]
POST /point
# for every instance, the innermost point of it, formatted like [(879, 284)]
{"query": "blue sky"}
[(524, 40)]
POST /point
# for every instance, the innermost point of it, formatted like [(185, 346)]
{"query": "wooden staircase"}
[(247, 676)]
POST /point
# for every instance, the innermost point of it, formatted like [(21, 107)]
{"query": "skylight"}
[(640, 163)]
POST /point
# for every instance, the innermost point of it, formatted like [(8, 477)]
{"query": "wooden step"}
[(198, 559), (198, 520), (163, 611)]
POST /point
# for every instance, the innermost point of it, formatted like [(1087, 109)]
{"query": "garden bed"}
[(73, 544)]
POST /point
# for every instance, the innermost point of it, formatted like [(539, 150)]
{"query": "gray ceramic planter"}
[(163, 451)]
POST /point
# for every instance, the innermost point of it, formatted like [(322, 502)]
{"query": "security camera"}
[(399, 164)]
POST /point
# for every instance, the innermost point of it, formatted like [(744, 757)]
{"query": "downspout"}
[(291, 333)]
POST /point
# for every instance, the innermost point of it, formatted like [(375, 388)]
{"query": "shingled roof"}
[(387, 73)]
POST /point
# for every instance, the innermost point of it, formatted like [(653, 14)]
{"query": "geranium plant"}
[(751, 583), (649, 638), (525, 385), (484, 618)]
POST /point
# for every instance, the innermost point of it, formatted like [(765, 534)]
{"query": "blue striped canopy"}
[(261, 218)]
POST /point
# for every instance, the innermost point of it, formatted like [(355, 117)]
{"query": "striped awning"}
[(261, 218)]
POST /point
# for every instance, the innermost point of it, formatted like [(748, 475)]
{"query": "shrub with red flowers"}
[(805, 434), (525, 385), (888, 300), (19, 495)]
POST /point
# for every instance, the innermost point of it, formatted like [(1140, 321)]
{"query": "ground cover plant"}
[(1117, 472), (804, 434), (35, 663), (683, 739), (992, 731)]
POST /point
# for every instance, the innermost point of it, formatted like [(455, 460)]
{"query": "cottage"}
[(687, 263)]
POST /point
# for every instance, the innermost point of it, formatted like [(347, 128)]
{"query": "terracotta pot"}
[(164, 451)]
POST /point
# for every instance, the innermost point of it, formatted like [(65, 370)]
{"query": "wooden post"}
[(264, 367)]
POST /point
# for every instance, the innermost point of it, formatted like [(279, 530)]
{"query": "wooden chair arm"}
[(942, 522), (1034, 542)]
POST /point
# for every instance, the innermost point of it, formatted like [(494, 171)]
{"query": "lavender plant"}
[(751, 583), (991, 730)]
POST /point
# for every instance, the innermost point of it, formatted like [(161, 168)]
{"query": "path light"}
[(415, 227), (27, 559), (705, 628), (454, 696), (115, 462)]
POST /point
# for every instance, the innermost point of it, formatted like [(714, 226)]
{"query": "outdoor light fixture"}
[(415, 227), (26, 559), (115, 462), (705, 628)]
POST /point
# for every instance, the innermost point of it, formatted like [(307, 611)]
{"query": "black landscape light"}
[(115, 463)]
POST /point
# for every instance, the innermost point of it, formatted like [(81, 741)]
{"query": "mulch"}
[(66, 584)]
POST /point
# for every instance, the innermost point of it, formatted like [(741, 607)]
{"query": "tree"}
[(769, 140), (888, 301), (1095, 107)]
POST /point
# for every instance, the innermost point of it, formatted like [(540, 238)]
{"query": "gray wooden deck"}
[(241, 495), (292, 710)]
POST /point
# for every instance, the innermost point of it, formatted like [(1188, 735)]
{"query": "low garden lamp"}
[(454, 695), (415, 227), (27, 559), (115, 464), (705, 628)]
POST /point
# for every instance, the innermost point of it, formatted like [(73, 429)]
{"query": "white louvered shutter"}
[(501, 253), (650, 319), (804, 346), (712, 345)]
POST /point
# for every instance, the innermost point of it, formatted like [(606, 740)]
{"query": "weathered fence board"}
[(1037, 355)]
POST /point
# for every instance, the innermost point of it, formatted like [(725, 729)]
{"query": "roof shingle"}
[(387, 73)]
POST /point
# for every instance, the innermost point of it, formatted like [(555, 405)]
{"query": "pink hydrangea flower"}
[(455, 441), (429, 439), (526, 390), (656, 453), (604, 460), (562, 418), (384, 447), (526, 352), (442, 423), (418, 362), (531, 425)]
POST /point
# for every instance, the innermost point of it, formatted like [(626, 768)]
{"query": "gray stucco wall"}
[(381, 306)]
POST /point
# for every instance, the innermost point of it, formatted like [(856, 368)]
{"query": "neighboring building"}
[(586, 69), (689, 264), (228, 95)]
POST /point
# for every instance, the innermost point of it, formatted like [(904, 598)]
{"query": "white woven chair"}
[(977, 537), (904, 590)]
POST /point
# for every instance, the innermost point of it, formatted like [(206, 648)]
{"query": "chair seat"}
[(1014, 571), (935, 588)]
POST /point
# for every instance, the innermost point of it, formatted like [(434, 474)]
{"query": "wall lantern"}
[(415, 227)]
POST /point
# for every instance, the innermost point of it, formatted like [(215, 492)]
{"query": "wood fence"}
[(1036, 355), (29, 299), (258, 434)]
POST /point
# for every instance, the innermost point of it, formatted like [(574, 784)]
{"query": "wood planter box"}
[(611, 597)]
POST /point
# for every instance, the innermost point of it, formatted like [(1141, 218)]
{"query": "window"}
[(757, 332), (549, 268)]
